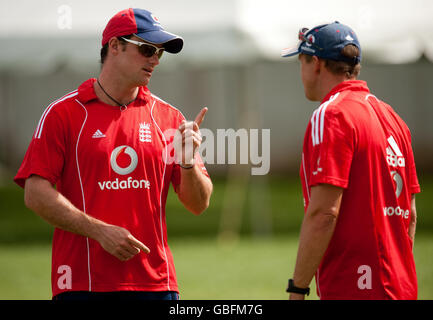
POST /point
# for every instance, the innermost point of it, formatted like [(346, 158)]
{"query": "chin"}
[(142, 82), (310, 95)]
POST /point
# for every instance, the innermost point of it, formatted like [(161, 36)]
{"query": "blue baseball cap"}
[(144, 25), (325, 41)]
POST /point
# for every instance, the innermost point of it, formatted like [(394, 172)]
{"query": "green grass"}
[(25, 272), (255, 269), (249, 269)]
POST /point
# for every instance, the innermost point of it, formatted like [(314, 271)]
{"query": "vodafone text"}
[(390, 211), (124, 184)]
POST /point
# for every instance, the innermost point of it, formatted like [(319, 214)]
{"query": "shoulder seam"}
[(41, 122), (168, 104)]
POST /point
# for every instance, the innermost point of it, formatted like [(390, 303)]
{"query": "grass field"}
[(254, 269)]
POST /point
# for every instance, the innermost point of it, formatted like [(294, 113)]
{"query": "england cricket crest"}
[(144, 133)]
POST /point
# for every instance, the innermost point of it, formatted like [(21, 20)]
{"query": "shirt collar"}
[(352, 85), (86, 92)]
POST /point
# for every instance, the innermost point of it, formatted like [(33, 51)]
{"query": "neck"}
[(119, 90), (328, 84)]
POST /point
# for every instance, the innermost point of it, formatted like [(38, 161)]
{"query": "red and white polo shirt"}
[(357, 142), (117, 167)]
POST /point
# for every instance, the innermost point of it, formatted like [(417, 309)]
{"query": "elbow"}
[(413, 217), (29, 199), (32, 193), (198, 203), (326, 219), (203, 204), (199, 209), (329, 219)]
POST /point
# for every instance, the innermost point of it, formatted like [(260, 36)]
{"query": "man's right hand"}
[(119, 242), (41, 197)]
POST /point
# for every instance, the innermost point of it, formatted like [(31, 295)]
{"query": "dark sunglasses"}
[(146, 49), (302, 37)]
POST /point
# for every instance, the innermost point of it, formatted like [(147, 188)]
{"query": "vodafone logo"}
[(395, 159), (398, 183), (123, 160)]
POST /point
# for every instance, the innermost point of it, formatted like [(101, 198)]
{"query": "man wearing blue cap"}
[(358, 178), (98, 169)]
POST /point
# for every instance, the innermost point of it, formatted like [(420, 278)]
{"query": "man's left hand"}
[(187, 139)]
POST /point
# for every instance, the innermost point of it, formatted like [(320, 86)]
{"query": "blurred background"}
[(245, 243)]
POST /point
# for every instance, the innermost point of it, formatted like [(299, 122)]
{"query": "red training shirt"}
[(117, 167), (357, 142)]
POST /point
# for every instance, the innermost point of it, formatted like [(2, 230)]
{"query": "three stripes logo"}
[(318, 121), (394, 157), (98, 134)]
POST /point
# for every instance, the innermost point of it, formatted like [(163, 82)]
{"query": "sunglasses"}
[(146, 49), (303, 38)]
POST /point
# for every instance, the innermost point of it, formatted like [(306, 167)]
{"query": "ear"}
[(317, 64), (114, 46)]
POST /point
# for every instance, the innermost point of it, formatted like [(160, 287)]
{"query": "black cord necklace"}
[(121, 105)]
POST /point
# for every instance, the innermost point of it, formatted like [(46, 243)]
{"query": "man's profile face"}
[(308, 75)]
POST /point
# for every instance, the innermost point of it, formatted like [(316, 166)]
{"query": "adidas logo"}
[(394, 156), (98, 134)]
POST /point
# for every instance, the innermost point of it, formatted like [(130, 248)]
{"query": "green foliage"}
[(17, 223), (265, 205)]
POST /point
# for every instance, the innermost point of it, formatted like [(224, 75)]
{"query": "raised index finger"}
[(136, 243), (199, 118)]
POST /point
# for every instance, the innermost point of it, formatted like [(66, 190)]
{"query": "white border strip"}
[(160, 196), (82, 190)]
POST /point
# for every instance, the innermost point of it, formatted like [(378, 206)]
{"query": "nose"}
[(154, 60)]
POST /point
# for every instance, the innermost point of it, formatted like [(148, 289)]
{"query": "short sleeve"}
[(333, 142), (46, 152), (414, 186)]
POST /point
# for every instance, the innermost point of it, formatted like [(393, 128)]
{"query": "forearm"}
[(412, 223), (58, 211), (316, 233), (194, 190)]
